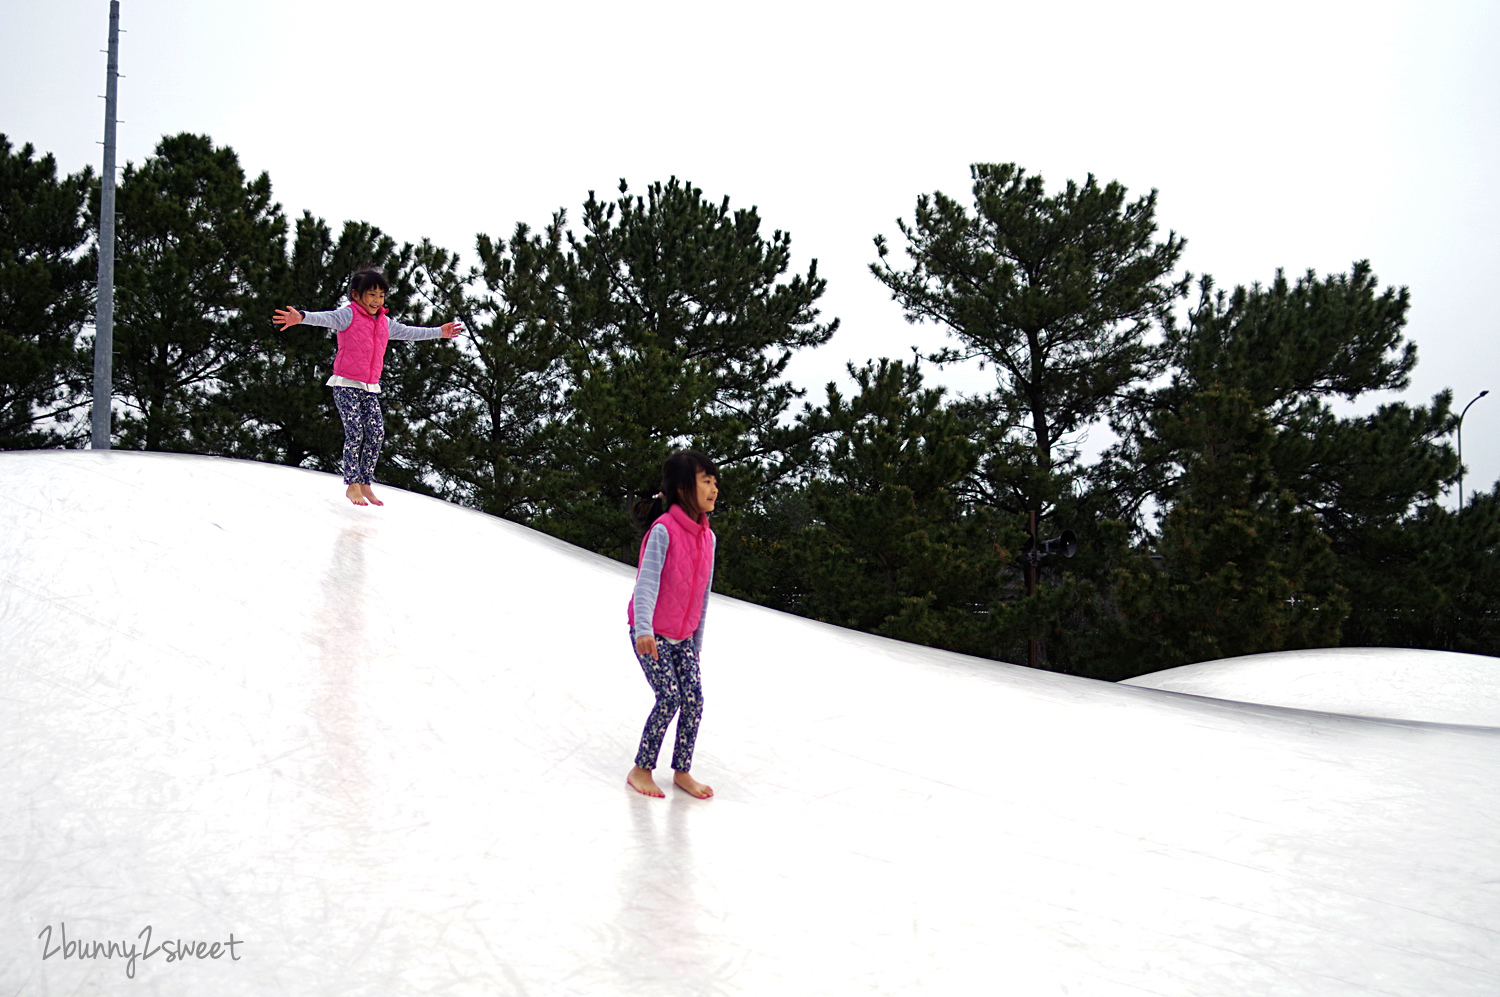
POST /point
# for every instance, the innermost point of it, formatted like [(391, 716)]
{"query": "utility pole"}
[(104, 309)]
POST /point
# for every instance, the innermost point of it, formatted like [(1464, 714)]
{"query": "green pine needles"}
[(1235, 512)]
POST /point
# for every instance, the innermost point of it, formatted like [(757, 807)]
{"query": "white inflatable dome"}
[(1389, 682), (382, 751)]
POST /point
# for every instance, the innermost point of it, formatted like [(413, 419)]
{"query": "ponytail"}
[(647, 511), (679, 480)]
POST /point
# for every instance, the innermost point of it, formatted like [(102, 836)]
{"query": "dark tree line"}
[(1235, 513), (46, 295)]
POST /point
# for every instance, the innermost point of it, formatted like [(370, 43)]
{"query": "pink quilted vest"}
[(684, 576), (361, 354)]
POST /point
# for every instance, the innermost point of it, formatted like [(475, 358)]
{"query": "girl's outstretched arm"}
[(338, 320), (400, 330)]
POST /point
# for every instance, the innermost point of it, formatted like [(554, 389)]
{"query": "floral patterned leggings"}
[(364, 432), (674, 678)]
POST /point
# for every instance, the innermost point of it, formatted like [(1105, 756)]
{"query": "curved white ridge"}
[(1391, 682), (385, 750)]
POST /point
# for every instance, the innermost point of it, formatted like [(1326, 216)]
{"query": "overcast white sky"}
[(1280, 134)]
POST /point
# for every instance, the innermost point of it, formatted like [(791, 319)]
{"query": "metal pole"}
[(104, 310), (1461, 447)]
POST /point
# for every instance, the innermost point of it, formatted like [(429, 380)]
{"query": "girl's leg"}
[(690, 703), (684, 663), (674, 677), (347, 401), (690, 706), (374, 436), (663, 679)]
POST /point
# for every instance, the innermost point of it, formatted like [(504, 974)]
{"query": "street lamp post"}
[(1461, 447)]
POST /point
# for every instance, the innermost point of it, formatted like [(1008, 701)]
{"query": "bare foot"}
[(640, 780), (688, 784), (370, 494), (355, 495)]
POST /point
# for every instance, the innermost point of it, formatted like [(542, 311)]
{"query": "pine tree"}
[(891, 547), (1055, 293), (46, 295), (1431, 579), (490, 444), (679, 327), (1367, 484), (198, 248), (1239, 567)]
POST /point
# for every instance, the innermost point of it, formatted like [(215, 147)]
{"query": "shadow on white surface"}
[(385, 750)]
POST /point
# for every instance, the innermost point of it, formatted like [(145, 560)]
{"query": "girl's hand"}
[(287, 317), (451, 329), (645, 644)]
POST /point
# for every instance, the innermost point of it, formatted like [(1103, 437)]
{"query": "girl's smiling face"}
[(371, 301), (708, 492)]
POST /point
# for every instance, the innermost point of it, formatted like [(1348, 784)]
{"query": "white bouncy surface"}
[(384, 750), (1388, 682)]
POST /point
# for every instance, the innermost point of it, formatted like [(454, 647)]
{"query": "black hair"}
[(367, 279), (679, 478)]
